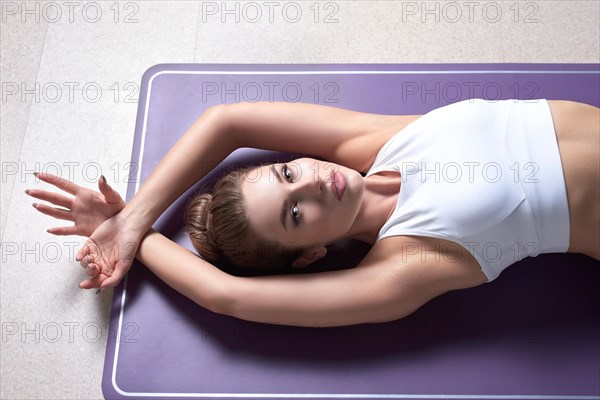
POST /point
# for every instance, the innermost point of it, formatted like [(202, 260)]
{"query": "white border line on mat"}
[(305, 395)]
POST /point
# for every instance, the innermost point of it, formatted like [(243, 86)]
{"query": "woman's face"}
[(295, 203)]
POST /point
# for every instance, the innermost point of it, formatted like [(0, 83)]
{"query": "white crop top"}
[(457, 183)]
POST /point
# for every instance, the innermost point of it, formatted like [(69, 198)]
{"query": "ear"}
[(310, 256)]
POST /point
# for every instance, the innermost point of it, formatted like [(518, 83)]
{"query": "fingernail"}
[(77, 258), (103, 178), (26, 191), (34, 205), (36, 174)]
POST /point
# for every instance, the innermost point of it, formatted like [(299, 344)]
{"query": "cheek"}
[(320, 214)]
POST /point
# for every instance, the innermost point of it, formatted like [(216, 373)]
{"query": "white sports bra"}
[(457, 183)]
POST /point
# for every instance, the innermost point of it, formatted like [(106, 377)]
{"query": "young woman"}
[(447, 200)]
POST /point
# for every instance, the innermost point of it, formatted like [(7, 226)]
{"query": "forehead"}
[(263, 197)]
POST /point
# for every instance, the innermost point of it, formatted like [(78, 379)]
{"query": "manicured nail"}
[(34, 205), (26, 191)]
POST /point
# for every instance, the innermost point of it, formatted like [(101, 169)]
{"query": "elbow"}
[(216, 109), (217, 115), (221, 112), (220, 118)]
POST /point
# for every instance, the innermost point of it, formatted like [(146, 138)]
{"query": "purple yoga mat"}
[(532, 333)]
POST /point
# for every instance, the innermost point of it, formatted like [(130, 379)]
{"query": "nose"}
[(310, 187)]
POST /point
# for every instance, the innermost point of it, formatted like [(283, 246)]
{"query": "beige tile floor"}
[(54, 334)]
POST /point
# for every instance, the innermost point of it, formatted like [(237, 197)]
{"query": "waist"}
[(533, 149)]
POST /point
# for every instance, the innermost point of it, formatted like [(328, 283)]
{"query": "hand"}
[(88, 209), (109, 252)]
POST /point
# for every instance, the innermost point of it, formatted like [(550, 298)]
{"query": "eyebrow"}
[(283, 212)]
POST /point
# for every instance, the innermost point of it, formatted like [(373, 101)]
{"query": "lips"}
[(338, 185)]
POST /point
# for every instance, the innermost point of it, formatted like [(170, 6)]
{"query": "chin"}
[(355, 182), (353, 196)]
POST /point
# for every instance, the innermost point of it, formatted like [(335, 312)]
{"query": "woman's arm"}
[(115, 242), (385, 286), (184, 271), (204, 145), (358, 295), (343, 136)]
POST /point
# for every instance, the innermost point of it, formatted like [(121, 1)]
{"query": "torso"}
[(578, 134), (578, 137), (442, 253)]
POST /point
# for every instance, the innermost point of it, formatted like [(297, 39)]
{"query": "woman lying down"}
[(418, 188)]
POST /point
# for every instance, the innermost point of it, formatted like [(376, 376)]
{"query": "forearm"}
[(185, 272), (204, 145)]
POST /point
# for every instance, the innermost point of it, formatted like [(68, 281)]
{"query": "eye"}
[(287, 174), (295, 211)]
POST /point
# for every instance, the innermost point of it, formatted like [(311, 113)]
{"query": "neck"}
[(379, 201)]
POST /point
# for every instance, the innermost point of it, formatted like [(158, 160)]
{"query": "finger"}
[(91, 268), (92, 283), (58, 213), (87, 263), (109, 282), (86, 249), (64, 231), (82, 252), (115, 278), (53, 198), (54, 212), (59, 182), (110, 195)]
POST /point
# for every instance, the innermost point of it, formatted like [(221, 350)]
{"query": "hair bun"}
[(198, 223), (204, 212)]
